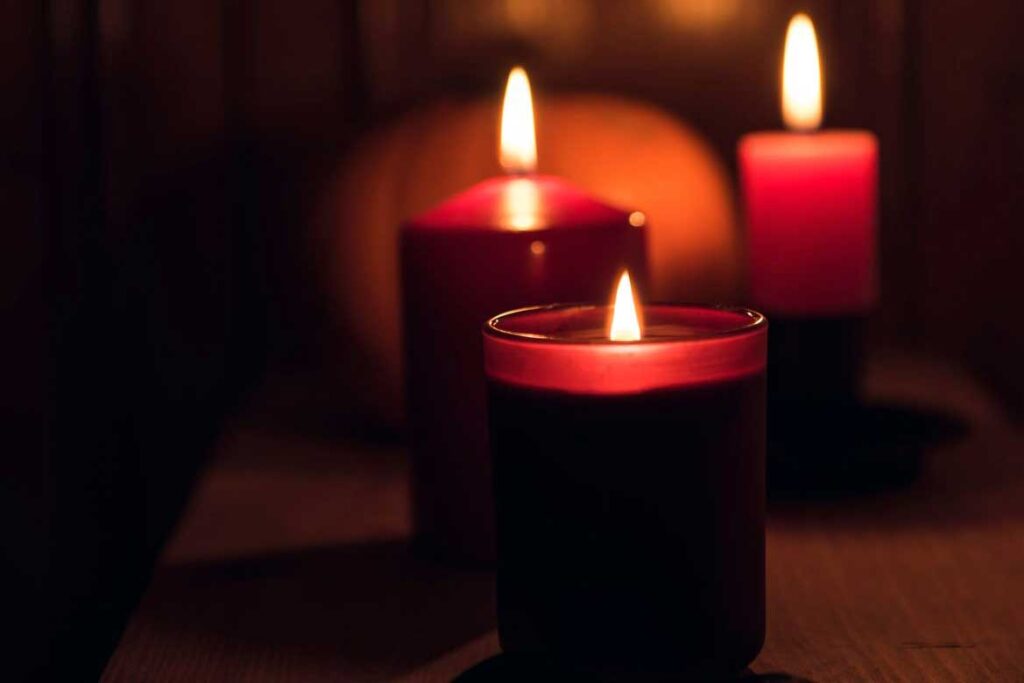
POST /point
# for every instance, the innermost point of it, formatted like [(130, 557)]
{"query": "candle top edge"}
[(810, 134), (519, 203), (720, 345), (796, 141), (584, 324)]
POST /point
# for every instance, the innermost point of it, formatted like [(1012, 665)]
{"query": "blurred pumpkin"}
[(629, 154)]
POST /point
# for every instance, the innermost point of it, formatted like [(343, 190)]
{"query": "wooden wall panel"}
[(971, 167), (293, 91), (25, 344), (136, 305), (119, 285)]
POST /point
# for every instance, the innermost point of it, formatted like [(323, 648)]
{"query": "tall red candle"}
[(811, 201), (811, 205), (504, 243)]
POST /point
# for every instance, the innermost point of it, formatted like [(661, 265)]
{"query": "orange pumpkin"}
[(629, 154)]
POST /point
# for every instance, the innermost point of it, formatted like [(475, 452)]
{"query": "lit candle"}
[(506, 242), (628, 449), (810, 200)]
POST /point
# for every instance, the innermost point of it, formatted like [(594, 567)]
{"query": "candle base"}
[(452, 548)]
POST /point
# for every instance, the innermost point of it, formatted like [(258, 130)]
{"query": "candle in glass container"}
[(810, 199), (504, 243), (629, 482)]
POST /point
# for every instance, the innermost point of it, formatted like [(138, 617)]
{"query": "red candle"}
[(504, 243), (810, 201), (629, 477)]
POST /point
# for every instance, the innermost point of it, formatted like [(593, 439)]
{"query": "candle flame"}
[(625, 325), (518, 151), (801, 76)]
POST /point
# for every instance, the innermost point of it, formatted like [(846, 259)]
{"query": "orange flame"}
[(518, 151), (625, 325), (801, 76)]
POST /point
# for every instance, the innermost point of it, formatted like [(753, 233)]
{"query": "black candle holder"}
[(823, 438), (815, 361)]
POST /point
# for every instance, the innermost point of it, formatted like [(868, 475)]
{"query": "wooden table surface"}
[(291, 564)]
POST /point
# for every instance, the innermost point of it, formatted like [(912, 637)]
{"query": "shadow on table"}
[(888, 466), (822, 450), (372, 606), (516, 669)]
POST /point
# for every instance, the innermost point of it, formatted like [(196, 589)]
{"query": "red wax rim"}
[(566, 348)]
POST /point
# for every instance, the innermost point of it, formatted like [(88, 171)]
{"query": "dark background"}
[(159, 161)]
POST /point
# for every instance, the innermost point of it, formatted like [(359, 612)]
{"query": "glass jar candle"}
[(629, 486)]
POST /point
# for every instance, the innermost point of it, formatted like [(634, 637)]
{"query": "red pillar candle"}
[(504, 243), (629, 480), (811, 204), (810, 200)]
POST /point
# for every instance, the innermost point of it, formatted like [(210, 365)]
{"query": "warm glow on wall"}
[(801, 76), (700, 14)]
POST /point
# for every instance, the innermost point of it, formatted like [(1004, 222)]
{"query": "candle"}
[(504, 243), (810, 199), (629, 480)]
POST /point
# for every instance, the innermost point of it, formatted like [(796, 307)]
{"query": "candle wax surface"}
[(519, 203), (566, 348), (631, 527), (811, 204)]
